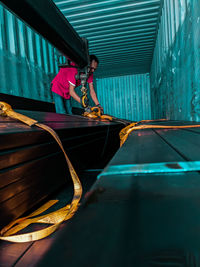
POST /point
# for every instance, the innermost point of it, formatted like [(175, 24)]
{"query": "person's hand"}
[(87, 109), (101, 109)]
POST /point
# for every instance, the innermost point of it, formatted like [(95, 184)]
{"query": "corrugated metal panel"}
[(126, 97), (27, 61), (175, 70), (121, 33)]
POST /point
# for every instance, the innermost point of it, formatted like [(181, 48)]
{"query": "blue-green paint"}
[(123, 35), (175, 71), (161, 167), (126, 97), (27, 61)]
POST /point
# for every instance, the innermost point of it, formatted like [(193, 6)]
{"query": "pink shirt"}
[(65, 76)]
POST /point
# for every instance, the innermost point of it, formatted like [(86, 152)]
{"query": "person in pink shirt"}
[(64, 83)]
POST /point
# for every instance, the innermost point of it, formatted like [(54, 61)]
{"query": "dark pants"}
[(62, 105)]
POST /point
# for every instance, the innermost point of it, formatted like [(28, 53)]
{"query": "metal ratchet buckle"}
[(4, 108)]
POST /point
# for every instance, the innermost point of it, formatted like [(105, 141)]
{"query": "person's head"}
[(93, 63)]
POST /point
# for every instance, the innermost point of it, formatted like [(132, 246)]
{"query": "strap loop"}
[(96, 114), (124, 133), (55, 218)]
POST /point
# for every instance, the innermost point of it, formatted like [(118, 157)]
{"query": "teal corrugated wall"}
[(27, 61), (126, 97), (175, 71)]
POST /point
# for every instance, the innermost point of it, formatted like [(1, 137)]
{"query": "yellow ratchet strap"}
[(96, 114), (84, 98), (55, 218), (124, 133)]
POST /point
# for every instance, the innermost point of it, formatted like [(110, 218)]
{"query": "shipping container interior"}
[(149, 56)]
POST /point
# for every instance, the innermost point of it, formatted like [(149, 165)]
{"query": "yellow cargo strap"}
[(84, 98), (55, 218), (124, 133), (96, 114)]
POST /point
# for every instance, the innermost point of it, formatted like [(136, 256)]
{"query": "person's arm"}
[(94, 97), (73, 93), (93, 94)]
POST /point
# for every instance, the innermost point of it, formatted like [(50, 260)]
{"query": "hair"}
[(93, 57)]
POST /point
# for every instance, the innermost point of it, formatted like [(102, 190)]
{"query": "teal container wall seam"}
[(27, 61), (126, 97), (175, 70)]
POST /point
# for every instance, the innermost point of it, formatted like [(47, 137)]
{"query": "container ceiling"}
[(121, 33)]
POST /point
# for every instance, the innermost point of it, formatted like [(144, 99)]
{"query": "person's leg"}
[(59, 104), (68, 106)]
